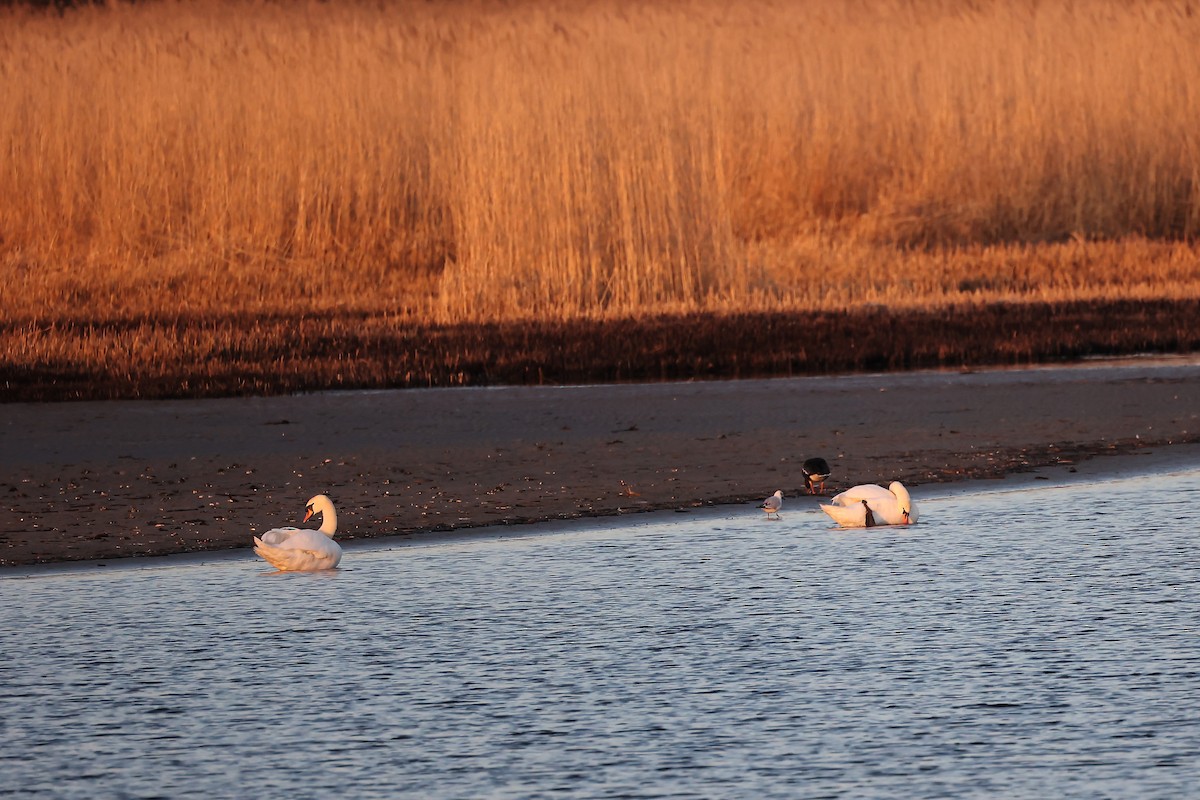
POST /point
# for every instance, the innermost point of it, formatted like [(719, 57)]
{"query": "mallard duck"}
[(815, 470)]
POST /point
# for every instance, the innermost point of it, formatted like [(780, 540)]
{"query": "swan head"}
[(321, 504), (908, 509)]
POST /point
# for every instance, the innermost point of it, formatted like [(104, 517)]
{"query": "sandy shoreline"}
[(113, 479)]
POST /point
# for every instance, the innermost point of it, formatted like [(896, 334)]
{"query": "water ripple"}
[(1028, 643)]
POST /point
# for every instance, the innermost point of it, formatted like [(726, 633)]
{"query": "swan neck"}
[(328, 521)]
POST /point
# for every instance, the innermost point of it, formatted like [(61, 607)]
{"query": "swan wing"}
[(852, 516), (302, 551), (886, 510), (856, 494), (278, 535)]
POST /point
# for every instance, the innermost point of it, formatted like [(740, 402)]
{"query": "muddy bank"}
[(107, 479)]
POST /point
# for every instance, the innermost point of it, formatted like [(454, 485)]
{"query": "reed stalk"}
[(482, 161)]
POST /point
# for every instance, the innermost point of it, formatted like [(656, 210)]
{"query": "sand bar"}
[(109, 479)]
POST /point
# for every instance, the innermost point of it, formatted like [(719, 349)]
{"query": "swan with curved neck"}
[(869, 505), (303, 549)]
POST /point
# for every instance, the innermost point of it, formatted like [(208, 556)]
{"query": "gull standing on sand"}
[(869, 505), (815, 470), (772, 504), (303, 549)]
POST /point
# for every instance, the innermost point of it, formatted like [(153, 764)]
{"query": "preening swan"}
[(303, 549), (869, 505), (772, 504)]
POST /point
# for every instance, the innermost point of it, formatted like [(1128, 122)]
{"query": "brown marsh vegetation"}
[(248, 189), (218, 356)]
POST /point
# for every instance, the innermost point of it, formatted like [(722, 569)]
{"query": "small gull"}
[(772, 504)]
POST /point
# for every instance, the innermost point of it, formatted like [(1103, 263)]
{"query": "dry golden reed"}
[(549, 160)]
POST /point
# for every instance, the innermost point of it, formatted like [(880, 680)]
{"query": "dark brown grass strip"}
[(261, 356)]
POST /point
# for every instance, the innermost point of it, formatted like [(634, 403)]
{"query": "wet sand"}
[(100, 480)]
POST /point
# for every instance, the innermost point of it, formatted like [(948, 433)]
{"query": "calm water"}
[(1040, 642)]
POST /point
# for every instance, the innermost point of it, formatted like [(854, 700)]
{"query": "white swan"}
[(772, 504), (303, 549), (869, 505)]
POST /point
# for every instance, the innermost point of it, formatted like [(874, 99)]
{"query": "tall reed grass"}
[(552, 160)]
